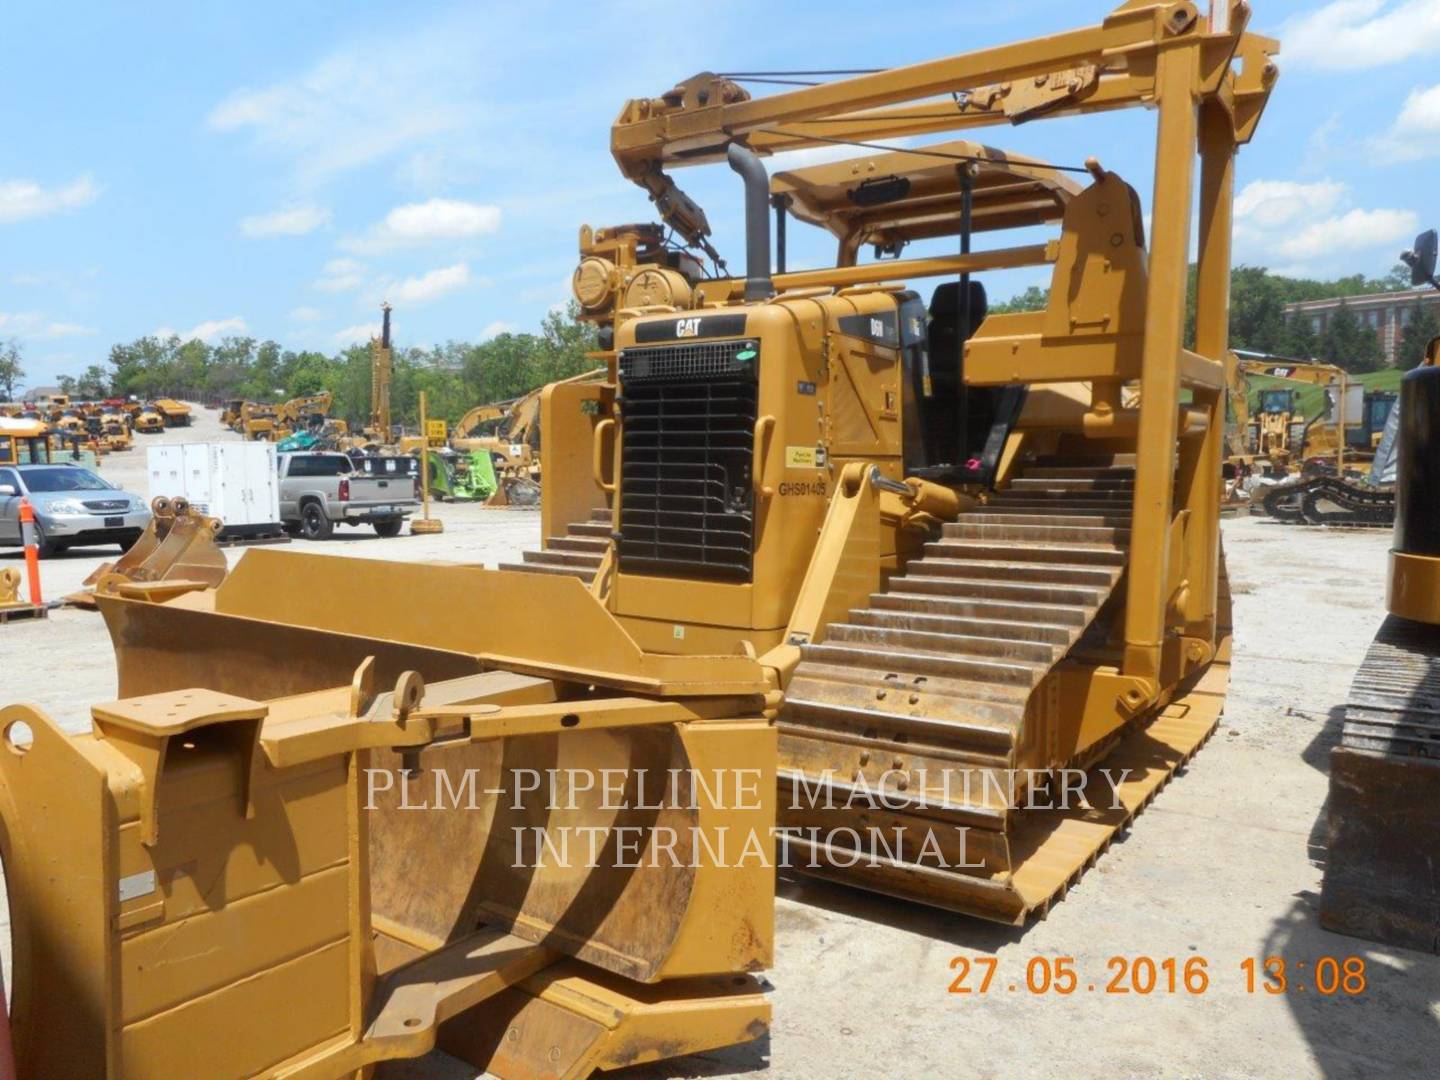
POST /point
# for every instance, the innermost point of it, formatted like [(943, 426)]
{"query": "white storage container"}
[(234, 481)]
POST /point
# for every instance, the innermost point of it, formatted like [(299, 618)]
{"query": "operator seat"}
[(945, 411), (947, 335)]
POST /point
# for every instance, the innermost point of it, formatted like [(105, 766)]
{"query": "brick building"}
[(1386, 314)]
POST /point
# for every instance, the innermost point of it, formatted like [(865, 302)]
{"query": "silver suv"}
[(73, 507)]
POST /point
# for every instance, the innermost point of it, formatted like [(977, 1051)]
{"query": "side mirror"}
[(1421, 260), (8, 490)]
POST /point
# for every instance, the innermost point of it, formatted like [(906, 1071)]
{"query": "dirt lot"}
[(1225, 865)]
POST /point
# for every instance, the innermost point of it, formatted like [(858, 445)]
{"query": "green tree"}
[(1424, 326), (1257, 310), (1032, 299), (1301, 341), (1349, 345), (94, 383), (12, 370)]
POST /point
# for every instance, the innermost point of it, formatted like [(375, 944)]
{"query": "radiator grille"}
[(693, 360), (686, 504)]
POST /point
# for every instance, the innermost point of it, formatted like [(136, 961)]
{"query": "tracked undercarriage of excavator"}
[(896, 564)]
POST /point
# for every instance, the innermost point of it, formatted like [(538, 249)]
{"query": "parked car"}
[(73, 508), (321, 490)]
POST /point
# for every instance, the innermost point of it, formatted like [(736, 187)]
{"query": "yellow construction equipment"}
[(149, 421), (1384, 805), (257, 421), (509, 431), (175, 413), (24, 441), (230, 414), (71, 422), (10, 589), (870, 558), (302, 414), (175, 554)]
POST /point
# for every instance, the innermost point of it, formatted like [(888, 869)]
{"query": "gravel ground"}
[(1225, 864)]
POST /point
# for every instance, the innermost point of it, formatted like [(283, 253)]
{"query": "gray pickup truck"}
[(321, 490)]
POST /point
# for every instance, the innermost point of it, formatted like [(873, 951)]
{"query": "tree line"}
[(455, 376), (1258, 321), (459, 374)]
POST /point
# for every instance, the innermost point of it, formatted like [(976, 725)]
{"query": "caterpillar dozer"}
[(868, 555), (1383, 813)]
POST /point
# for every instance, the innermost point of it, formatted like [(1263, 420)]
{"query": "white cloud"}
[(205, 331), (1300, 228), (1415, 134), (430, 285), (1350, 35), (495, 329), (427, 222), (364, 103), (359, 333), (341, 275), (290, 221), (24, 199), (1421, 113), (30, 324), (1272, 204), (306, 314), (1354, 230)]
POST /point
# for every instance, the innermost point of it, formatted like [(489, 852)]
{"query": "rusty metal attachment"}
[(176, 553)]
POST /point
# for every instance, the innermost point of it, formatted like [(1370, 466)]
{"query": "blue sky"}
[(275, 169)]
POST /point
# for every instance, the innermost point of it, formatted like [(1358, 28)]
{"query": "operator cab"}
[(953, 433)]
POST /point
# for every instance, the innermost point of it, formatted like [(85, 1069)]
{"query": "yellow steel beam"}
[(841, 277), (1146, 597)]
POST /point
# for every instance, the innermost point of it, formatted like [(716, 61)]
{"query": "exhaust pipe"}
[(744, 161)]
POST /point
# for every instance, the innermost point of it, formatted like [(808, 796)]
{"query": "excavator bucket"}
[(175, 553)]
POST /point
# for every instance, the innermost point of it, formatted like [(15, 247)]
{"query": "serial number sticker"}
[(801, 457), (133, 886), (802, 487)]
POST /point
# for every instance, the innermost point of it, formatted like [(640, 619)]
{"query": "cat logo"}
[(687, 328)]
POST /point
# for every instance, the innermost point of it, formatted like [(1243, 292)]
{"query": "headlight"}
[(139, 506), (67, 506)]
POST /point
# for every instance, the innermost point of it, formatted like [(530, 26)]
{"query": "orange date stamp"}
[(1142, 976)]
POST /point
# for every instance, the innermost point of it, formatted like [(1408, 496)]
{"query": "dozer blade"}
[(1383, 812), (915, 736)]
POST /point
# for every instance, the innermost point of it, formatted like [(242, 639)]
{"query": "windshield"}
[(64, 479)]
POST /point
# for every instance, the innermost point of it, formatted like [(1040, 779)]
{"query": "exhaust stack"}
[(744, 161)]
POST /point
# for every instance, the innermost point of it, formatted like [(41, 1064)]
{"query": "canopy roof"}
[(916, 194)]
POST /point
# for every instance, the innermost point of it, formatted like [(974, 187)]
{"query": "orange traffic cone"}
[(32, 553)]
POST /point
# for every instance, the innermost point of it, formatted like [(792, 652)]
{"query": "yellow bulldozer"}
[(847, 573)]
